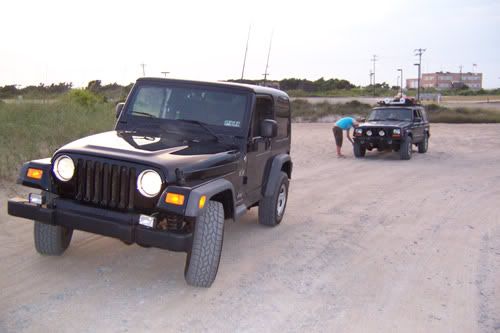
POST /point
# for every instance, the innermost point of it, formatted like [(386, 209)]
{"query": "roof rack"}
[(398, 101)]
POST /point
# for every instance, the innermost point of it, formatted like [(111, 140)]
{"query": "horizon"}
[(206, 41)]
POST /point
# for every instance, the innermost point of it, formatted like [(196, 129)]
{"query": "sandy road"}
[(372, 245)]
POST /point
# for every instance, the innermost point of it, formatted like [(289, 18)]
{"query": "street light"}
[(418, 82), (165, 74), (401, 70)]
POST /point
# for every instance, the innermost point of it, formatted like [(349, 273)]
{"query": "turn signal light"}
[(34, 173), (175, 199), (202, 201)]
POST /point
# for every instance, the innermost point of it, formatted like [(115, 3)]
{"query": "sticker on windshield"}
[(231, 123)]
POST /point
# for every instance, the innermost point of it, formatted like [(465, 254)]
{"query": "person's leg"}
[(337, 133)]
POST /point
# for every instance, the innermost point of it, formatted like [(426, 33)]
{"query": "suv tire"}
[(422, 146), (359, 151), (51, 240), (202, 262), (406, 148), (272, 208)]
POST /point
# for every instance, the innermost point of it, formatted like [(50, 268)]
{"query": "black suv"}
[(184, 156), (396, 125)]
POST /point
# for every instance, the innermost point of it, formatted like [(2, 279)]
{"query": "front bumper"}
[(123, 226), (377, 141)]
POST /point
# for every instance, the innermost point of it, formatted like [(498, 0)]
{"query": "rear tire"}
[(359, 151), (202, 262), (424, 145), (406, 148), (51, 240), (272, 208)]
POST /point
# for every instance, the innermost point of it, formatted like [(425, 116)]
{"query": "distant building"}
[(441, 80)]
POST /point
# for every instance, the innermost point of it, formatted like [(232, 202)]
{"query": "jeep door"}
[(258, 149), (417, 126)]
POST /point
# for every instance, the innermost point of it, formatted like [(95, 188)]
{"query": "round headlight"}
[(369, 133), (396, 131), (149, 183), (359, 131), (64, 168), (381, 133)]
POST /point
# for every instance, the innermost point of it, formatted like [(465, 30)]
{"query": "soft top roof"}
[(240, 86)]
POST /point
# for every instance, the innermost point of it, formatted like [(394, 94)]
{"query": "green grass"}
[(302, 110), (441, 114), (31, 131)]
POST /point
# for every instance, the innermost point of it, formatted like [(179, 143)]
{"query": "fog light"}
[(147, 221), (36, 199), (34, 173)]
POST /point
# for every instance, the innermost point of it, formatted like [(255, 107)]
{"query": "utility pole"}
[(371, 76), (401, 87), (374, 59), (268, 54), (143, 65), (165, 74), (461, 77), (246, 50), (474, 68), (419, 52)]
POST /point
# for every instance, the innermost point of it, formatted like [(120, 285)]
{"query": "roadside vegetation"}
[(35, 130)]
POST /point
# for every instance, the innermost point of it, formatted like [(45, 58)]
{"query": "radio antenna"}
[(246, 51), (268, 54)]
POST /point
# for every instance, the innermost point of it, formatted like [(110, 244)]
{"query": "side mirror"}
[(269, 128), (118, 109)]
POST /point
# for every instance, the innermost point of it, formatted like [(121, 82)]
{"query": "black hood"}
[(385, 123), (165, 152)]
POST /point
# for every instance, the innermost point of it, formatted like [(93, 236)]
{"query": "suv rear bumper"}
[(123, 226)]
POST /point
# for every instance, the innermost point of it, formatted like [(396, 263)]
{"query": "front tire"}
[(272, 208), (424, 145), (51, 240), (406, 148), (202, 262), (359, 151)]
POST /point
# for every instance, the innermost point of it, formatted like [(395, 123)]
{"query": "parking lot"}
[(366, 245)]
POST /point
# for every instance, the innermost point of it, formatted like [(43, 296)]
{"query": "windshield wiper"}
[(143, 114), (202, 125)]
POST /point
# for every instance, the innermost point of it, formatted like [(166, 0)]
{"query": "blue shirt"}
[(345, 123)]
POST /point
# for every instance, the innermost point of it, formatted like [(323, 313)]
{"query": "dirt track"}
[(372, 245)]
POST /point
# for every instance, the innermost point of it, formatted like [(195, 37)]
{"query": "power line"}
[(419, 53), (374, 59)]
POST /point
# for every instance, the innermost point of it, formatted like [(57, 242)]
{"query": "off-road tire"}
[(359, 151), (272, 208), (51, 240), (422, 146), (202, 261), (406, 148)]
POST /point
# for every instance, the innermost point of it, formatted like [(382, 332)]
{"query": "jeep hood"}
[(385, 123), (163, 152)]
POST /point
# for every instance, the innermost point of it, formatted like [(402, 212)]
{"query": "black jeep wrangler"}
[(395, 125), (184, 156)]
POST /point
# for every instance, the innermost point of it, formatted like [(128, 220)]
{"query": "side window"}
[(283, 117), (263, 110)]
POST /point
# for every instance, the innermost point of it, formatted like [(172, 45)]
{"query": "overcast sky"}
[(77, 41)]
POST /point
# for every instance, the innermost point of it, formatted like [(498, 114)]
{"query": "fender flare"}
[(209, 190), (274, 172)]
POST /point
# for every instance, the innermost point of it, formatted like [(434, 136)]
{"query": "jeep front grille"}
[(105, 184)]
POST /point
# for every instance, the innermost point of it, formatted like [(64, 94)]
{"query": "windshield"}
[(391, 114), (205, 106)]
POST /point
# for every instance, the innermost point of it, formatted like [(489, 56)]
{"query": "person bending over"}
[(343, 124)]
